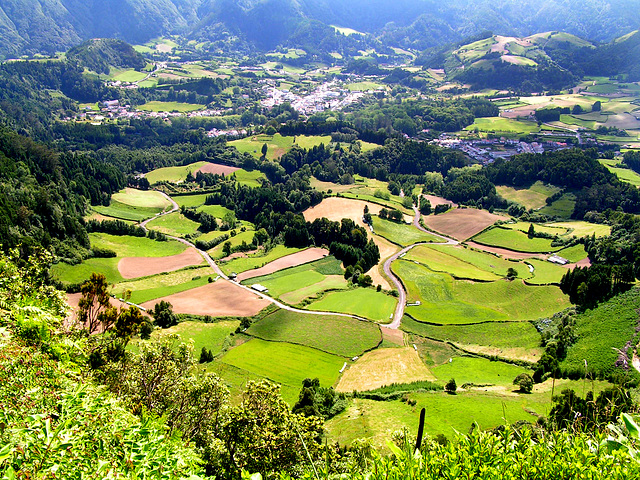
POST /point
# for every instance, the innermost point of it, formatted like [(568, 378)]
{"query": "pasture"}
[(364, 302), (341, 336), (175, 224), (563, 207), (478, 370), (402, 234), (514, 240), (246, 236), (173, 174), (574, 254), (73, 274), (448, 301), (128, 246), (532, 197), (196, 200), (505, 125), (157, 106), (545, 273), (277, 145), (384, 366), (514, 340), (284, 362), (132, 204), (461, 223), (208, 335), (624, 174), (292, 260)]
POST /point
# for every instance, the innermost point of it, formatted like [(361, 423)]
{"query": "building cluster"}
[(327, 96)]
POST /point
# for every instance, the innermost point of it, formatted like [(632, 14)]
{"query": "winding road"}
[(402, 294)]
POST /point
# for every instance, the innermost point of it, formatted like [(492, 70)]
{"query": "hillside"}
[(38, 26), (100, 54)]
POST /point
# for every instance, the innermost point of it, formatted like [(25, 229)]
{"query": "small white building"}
[(557, 260), (259, 288)]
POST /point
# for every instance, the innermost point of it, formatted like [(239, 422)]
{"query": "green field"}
[(175, 224), (602, 331), (514, 240), (156, 106), (277, 145), (128, 76), (72, 274), (552, 229), (208, 335), (128, 246), (479, 371), (624, 174), (136, 205), (463, 262), (500, 124), (190, 200), (284, 362), (401, 233), (173, 174), (235, 240), (448, 301), (563, 207), (573, 254), (250, 179), (158, 286), (363, 86), (545, 273), (298, 283), (364, 302), (342, 336), (217, 211), (532, 197), (504, 335)]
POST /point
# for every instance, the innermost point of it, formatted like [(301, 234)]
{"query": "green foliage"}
[(525, 382), (451, 387), (99, 54), (163, 315), (318, 401)]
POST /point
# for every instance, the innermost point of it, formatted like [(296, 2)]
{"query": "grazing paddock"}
[(364, 302), (447, 301), (461, 223), (582, 229), (132, 204), (479, 371), (402, 234), (251, 261), (73, 274), (208, 335), (298, 258), (384, 366), (514, 240), (503, 252), (173, 174), (218, 299), (545, 273), (134, 267), (512, 340), (574, 254), (342, 336), (217, 169), (190, 200), (533, 197), (175, 224), (285, 363), (129, 246)]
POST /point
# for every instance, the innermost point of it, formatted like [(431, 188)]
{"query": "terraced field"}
[(514, 240)]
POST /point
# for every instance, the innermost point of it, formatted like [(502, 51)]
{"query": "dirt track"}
[(218, 299), (298, 258), (134, 267)]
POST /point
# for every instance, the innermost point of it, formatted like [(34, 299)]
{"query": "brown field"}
[(336, 208), (218, 299), (433, 200), (395, 336), (585, 262), (507, 253), (386, 250), (384, 367), (298, 258), (73, 299), (134, 267), (217, 169), (461, 223)]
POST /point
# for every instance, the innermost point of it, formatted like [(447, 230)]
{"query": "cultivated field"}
[(217, 169), (364, 302), (134, 267), (461, 223), (384, 366), (402, 234), (336, 208), (218, 299), (277, 145), (157, 106), (299, 258), (337, 335), (173, 174), (532, 197)]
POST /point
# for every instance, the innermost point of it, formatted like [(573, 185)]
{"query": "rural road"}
[(402, 294)]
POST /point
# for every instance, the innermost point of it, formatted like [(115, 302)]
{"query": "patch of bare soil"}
[(134, 267)]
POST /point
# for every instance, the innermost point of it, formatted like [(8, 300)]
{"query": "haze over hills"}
[(39, 26)]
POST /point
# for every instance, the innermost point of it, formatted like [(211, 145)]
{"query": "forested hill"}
[(39, 26)]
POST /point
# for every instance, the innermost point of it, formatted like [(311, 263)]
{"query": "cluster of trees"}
[(587, 286)]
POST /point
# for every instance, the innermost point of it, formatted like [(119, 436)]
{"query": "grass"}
[(573, 254), (447, 301), (545, 273), (623, 174), (158, 286), (175, 224), (173, 174), (277, 145), (362, 86), (250, 179), (209, 335), (284, 362), (190, 200), (364, 302), (236, 240), (337, 335), (304, 277), (603, 330), (128, 76), (128, 246), (330, 282), (401, 233), (157, 106), (505, 335), (136, 205), (532, 197), (463, 262), (563, 207), (217, 211), (514, 240), (552, 229), (478, 370), (72, 274), (500, 124)]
